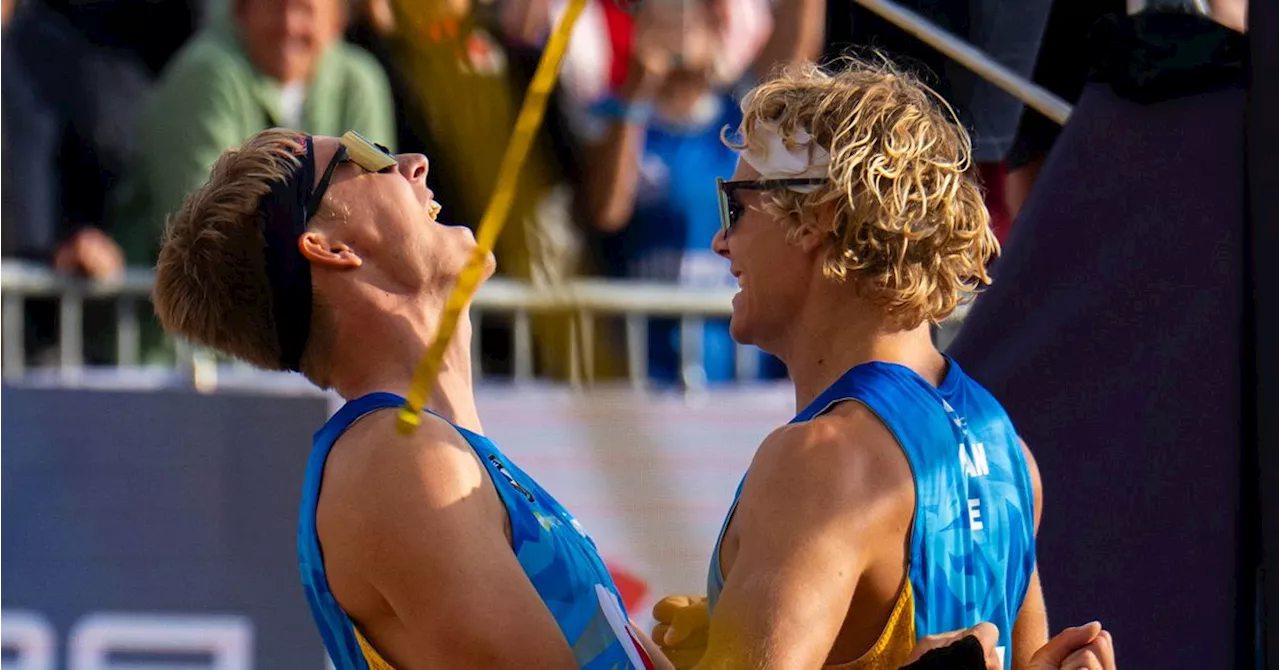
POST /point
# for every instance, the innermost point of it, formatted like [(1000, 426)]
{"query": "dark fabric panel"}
[(1112, 335)]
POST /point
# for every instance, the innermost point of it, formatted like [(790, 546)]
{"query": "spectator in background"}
[(69, 106), (656, 149), (459, 85), (1062, 69), (256, 64)]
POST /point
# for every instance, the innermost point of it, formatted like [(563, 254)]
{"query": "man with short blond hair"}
[(211, 278), (323, 256)]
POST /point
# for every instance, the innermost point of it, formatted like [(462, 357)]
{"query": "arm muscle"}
[(815, 509)]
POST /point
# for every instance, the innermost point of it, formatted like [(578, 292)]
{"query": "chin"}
[(738, 329)]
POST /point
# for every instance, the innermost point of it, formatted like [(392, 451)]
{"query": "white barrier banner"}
[(649, 476)]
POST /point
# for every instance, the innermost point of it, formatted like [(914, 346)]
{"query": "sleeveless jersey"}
[(557, 556), (972, 546)]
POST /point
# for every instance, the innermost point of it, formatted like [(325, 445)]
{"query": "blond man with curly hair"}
[(900, 501)]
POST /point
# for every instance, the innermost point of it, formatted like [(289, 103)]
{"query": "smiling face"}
[(387, 219), (774, 273), (285, 38)]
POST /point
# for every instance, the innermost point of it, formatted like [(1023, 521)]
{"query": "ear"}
[(320, 251), (815, 226)]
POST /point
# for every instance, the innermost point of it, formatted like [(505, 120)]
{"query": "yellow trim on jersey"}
[(371, 655), (894, 644)]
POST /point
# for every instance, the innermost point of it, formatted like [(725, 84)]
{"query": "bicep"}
[(443, 564), (472, 605), (785, 601), (801, 550)]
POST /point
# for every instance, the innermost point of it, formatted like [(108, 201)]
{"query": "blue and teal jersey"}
[(972, 548), (557, 555)]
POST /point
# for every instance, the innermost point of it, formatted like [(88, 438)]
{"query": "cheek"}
[(780, 270)]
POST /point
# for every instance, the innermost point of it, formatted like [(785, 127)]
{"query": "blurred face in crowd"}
[(773, 272), (710, 43), (384, 224), (285, 38)]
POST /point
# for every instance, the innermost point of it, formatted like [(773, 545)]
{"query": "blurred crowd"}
[(114, 109)]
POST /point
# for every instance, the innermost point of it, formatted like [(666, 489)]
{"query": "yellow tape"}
[(495, 216)]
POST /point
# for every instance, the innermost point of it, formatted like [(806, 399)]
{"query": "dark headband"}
[(283, 214)]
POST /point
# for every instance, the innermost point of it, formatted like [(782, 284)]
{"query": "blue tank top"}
[(557, 555), (973, 536)]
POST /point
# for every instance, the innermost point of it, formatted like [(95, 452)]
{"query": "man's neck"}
[(385, 349), (831, 338)]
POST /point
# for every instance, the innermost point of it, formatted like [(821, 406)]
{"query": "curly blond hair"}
[(910, 227), (211, 280)]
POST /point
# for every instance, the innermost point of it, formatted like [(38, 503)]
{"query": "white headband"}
[(774, 161)]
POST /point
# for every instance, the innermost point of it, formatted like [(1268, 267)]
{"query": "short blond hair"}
[(211, 278), (910, 227)]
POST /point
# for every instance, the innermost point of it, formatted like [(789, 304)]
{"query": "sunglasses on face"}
[(353, 147), (731, 210)]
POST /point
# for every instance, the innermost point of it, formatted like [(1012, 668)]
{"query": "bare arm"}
[(420, 557), (826, 508), (1031, 631), (615, 159)]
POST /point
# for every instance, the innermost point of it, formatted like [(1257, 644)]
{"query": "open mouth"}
[(433, 209)]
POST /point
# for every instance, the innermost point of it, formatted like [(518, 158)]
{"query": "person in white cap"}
[(900, 502)]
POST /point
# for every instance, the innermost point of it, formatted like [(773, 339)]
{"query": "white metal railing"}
[(583, 300)]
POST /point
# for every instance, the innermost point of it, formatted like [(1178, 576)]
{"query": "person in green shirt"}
[(257, 64)]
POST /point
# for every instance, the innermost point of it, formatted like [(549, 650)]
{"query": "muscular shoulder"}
[(846, 460), (373, 468), (380, 485)]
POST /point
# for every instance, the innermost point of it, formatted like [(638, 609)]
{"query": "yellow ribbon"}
[(495, 216)]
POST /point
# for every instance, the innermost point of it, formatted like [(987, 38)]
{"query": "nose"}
[(720, 243), (414, 167)]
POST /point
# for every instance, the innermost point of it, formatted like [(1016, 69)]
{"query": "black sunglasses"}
[(731, 210), (354, 147)]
